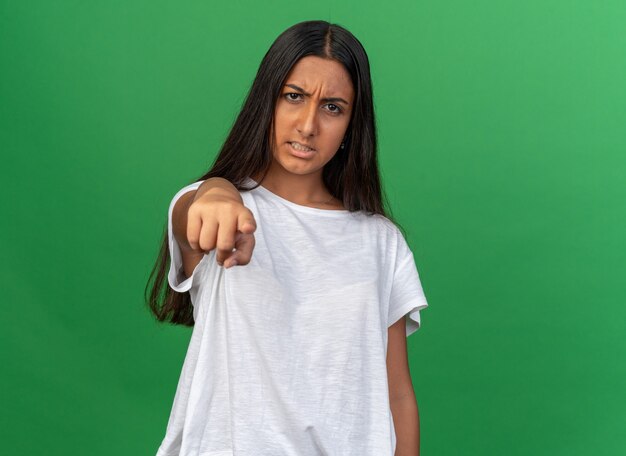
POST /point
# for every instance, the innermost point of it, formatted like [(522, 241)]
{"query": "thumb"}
[(246, 223)]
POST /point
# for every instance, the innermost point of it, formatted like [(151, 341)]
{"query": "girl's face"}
[(313, 110)]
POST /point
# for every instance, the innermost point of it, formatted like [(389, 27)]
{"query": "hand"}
[(218, 219)]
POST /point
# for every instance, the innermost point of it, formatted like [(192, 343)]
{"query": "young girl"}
[(300, 290)]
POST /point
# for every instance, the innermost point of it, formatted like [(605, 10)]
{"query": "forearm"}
[(219, 186), (406, 422)]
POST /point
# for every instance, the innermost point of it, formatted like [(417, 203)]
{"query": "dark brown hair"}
[(352, 175)]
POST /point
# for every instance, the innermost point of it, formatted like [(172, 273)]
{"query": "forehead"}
[(314, 73)]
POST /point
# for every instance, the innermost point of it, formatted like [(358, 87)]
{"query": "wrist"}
[(218, 186)]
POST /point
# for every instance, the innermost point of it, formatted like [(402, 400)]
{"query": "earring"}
[(342, 146)]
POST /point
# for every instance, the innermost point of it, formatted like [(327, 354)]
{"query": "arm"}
[(401, 395), (217, 185)]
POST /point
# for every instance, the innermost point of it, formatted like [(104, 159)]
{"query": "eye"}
[(288, 95), (293, 96), (334, 111)]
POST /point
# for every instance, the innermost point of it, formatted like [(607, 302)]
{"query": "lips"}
[(296, 143), (304, 154)]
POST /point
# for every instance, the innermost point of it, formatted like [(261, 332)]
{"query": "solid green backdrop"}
[(502, 147)]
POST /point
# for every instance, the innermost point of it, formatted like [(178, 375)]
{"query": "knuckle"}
[(204, 246), (207, 243), (193, 209), (193, 239), (224, 249)]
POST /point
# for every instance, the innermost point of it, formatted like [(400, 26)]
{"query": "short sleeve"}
[(176, 275), (407, 296)]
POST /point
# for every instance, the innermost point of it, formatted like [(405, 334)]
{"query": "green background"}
[(503, 151)]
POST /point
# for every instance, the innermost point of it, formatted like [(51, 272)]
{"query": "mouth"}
[(301, 147), (300, 151)]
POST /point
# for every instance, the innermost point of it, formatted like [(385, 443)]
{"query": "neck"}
[(303, 189)]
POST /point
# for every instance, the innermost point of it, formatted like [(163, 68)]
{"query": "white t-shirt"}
[(287, 356)]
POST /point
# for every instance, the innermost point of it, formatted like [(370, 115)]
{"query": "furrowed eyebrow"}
[(332, 100)]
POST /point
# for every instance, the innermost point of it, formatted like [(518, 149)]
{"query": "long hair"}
[(351, 176)]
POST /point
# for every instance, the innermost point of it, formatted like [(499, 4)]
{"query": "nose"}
[(307, 120)]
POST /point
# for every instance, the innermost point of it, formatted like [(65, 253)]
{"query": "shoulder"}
[(393, 238), (383, 232), (386, 227)]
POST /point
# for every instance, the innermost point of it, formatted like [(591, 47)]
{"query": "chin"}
[(289, 165)]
